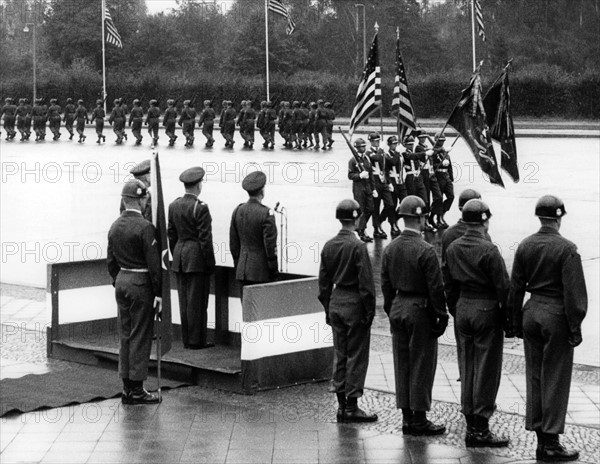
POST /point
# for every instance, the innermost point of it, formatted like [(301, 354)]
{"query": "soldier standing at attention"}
[(190, 240), (69, 117), (152, 121), (133, 262), (141, 172), (81, 117), (253, 235), (360, 172), (347, 292), (548, 266), (395, 173), (136, 118), (207, 121), (9, 110), (98, 116), (413, 298), (383, 187), (54, 111), (476, 285), (188, 122), (169, 121)]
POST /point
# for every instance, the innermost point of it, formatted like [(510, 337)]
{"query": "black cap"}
[(141, 168), (192, 175), (347, 210), (254, 181), (392, 139)]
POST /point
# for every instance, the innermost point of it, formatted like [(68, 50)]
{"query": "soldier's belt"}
[(414, 173), (471, 295), (442, 170), (547, 299), (135, 270)]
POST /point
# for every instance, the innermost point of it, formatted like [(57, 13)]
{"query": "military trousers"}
[(548, 364), (207, 130), (365, 200), (398, 195), (446, 190), (351, 342), (480, 336), (188, 128), (414, 186), (136, 128), (415, 349), (135, 299), (433, 195), (99, 126), (69, 120), (383, 196), (193, 289), (153, 128), (54, 124), (80, 125)]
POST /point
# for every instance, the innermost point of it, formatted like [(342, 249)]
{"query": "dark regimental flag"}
[(112, 35), (368, 95), (468, 118), (499, 118), (276, 6), (479, 19), (402, 106), (159, 220)]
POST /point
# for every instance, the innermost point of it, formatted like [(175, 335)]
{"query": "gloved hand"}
[(157, 305), (375, 194), (364, 175), (445, 163), (390, 187), (575, 339), (439, 327)]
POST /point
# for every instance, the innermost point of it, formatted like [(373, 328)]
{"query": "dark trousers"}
[(207, 130), (383, 196), (188, 129), (80, 125), (153, 128), (54, 125), (548, 363), (398, 195), (69, 120), (351, 341), (415, 350), (480, 338), (432, 193), (133, 291), (193, 289), (170, 128), (414, 186), (136, 128), (99, 126), (365, 200), (446, 190)]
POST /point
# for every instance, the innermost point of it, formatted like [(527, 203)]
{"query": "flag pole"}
[(267, 43), (103, 56), (473, 33)]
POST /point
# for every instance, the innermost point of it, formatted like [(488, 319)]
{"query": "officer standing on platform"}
[(379, 161), (347, 292), (133, 262), (395, 172), (207, 121), (136, 119), (253, 235), (141, 172), (476, 285), (81, 117), (169, 121), (548, 266), (190, 241), (69, 117), (360, 172), (98, 115), (413, 298)]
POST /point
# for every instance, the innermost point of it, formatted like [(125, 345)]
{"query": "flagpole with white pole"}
[(267, 43), (473, 33), (103, 56)]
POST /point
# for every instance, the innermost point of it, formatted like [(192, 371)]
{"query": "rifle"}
[(353, 150), (193, 100)]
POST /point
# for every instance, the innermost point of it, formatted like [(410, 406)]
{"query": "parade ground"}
[(58, 200)]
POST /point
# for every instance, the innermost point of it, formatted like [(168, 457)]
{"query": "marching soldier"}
[(98, 116), (442, 165), (261, 123), (152, 121), (270, 119), (141, 172), (329, 118), (476, 285), (297, 116), (241, 116), (187, 120), (247, 124), (117, 120), (69, 117), (207, 121), (433, 196), (548, 266), (412, 165), (383, 187), (304, 124), (395, 172), (136, 119), (21, 114), (321, 125), (9, 110), (28, 119), (38, 115), (360, 172), (81, 117), (133, 262), (228, 124), (312, 125), (413, 298), (253, 235), (54, 111), (190, 240), (169, 121), (347, 292)]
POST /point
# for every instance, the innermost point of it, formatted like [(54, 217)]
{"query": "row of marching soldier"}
[(474, 287)]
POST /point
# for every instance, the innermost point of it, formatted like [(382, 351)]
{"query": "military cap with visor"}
[(192, 175), (141, 168), (254, 181)]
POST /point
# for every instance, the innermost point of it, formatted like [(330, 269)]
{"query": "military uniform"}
[(207, 121), (548, 266), (270, 119), (312, 125), (329, 118), (321, 125), (136, 119), (22, 115), (38, 115), (297, 117), (187, 120), (261, 123), (412, 165), (395, 173), (190, 240), (442, 165), (98, 116), (117, 119), (362, 189), (139, 171), (379, 161), (304, 134), (248, 124), (9, 111), (169, 121), (69, 117), (81, 117), (54, 111), (227, 123), (152, 121)]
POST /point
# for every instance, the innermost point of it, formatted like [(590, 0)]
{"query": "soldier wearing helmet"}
[(476, 283), (54, 118), (21, 117), (81, 118), (548, 266), (169, 121), (413, 298), (227, 123), (98, 116), (136, 119), (152, 121), (442, 165), (247, 123), (69, 117), (321, 125), (347, 292), (207, 122), (360, 172), (117, 120), (379, 161), (395, 173), (9, 111), (187, 120), (38, 116)]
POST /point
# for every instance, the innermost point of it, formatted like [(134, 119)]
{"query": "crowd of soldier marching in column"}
[(302, 125)]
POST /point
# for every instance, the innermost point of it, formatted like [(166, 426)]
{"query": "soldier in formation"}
[(9, 112), (169, 121), (207, 122), (38, 115), (98, 116), (54, 118), (187, 121), (81, 118), (152, 121), (24, 119), (227, 123), (69, 117), (136, 119)]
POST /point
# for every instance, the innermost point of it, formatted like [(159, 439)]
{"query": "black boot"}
[(126, 391), (470, 428), (341, 397), (422, 426), (353, 413), (407, 420), (553, 451), (138, 395), (540, 442), (364, 237), (483, 437)]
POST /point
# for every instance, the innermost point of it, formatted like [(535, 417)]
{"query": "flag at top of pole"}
[(402, 106), (112, 35), (368, 95), (479, 19), (276, 6)]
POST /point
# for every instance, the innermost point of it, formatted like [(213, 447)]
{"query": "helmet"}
[(53, 100), (408, 139), (374, 136), (466, 195), (550, 207), (8, 100), (80, 101), (206, 102), (98, 102), (360, 143), (116, 101), (440, 137), (475, 212), (186, 102), (320, 101), (21, 100), (347, 210), (69, 100), (134, 189), (296, 104), (412, 206), (136, 102), (170, 102), (392, 139), (327, 105), (153, 102)]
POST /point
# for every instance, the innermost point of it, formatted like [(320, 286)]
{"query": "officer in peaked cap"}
[(476, 283), (253, 235), (347, 292), (190, 241), (548, 266), (141, 172), (133, 261), (413, 298)]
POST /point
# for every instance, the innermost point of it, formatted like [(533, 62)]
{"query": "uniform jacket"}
[(354, 173), (395, 160), (454, 232), (81, 113)]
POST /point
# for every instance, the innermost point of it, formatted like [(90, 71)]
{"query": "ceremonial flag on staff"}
[(499, 118), (468, 118), (368, 96), (159, 220), (479, 19), (112, 35), (277, 7), (402, 106)]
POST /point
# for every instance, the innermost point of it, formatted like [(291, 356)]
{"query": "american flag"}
[(112, 35), (277, 7), (368, 95), (479, 18), (402, 106)]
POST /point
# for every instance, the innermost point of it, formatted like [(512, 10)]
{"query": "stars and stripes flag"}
[(276, 6), (368, 95), (479, 19), (402, 106), (112, 35)]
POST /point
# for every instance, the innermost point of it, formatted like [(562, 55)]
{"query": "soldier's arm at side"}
[(435, 285), (575, 294), (234, 238), (366, 285), (270, 241), (451, 286), (516, 294), (497, 269), (389, 293), (325, 287), (152, 255), (172, 231), (111, 262), (204, 229)]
